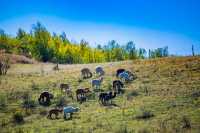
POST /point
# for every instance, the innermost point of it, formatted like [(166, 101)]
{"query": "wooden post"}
[(193, 50)]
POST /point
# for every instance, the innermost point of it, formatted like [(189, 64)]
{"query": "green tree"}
[(142, 52), (132, 51), (42, 36), (4, 41)]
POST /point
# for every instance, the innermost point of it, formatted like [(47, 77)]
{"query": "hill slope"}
[(164, 98)]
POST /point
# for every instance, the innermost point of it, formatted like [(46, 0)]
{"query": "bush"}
[(195, 94), (3, 101), (80, 80), (27, 101), (186, 122), (144, 114), (18, 117), (4, 122)]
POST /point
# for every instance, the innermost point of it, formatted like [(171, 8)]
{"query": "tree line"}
[(44, 46)]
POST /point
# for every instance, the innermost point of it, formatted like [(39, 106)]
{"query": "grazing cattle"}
[(70, 110), (86, 73), (117, 86), (101, 96), (97, 83), (121, 70), (55, 112), (45, 97), (81, 94), (105, 97), (82, 99), (65, 88), (131, 75), (70, 94), (127, 76), (124, 76), (99, 70)]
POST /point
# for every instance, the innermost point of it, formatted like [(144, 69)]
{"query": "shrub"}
[(186, 122), (195, 94), (4, 122), (144, 114), (3, 101), (18, 117), (80, 80), (27, 101)]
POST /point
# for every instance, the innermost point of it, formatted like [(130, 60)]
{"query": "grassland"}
[(165, 98)]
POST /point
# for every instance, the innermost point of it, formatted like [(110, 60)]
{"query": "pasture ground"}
[(165, 98)]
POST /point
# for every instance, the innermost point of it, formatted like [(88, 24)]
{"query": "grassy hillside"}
[(164, 98)]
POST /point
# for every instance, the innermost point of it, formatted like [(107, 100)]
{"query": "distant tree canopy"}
[(44, 46), (159, 52)]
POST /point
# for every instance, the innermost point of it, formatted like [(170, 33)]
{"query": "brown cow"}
[(55, 112), (86, 73), (81, 94)]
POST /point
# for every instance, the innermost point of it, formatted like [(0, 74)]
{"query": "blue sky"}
[(149, 23)]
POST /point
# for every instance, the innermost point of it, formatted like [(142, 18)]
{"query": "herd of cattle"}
[(83, 93)]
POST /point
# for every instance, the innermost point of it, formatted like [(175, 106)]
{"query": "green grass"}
[(165, 94)]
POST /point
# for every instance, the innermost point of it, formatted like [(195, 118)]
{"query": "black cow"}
[(121, 70), (45, 97)]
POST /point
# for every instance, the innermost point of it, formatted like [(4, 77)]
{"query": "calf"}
[(64, 87)]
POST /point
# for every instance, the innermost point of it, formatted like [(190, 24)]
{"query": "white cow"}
[(97, 83), (70, 110), (99, 70)]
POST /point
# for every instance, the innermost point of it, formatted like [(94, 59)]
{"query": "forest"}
[(43, 46)]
